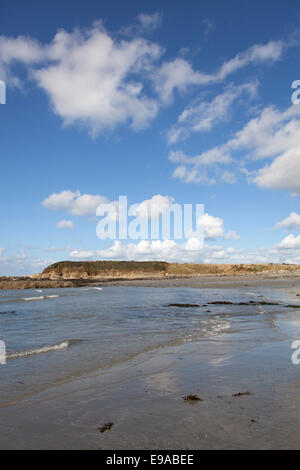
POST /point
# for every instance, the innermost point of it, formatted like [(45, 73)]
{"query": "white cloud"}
[(54, 249), (228, 177), (78, 204), (20, 49), (209, 26), (276, 135), (168, 250), (269, 134), (81, 254), (272, 135), (202, 116), (231, 235), (179, 74), (65, 224), (150, 21), (97, 80), (156, 206), (290, 222), (204, 159), (21, 264), (283, 173), (259, 53), (289, 242), (74, 203), (213, 226), (145, 249), (194, 169)]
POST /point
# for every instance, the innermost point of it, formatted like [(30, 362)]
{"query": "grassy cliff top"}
[(123, 268), (92, 268)]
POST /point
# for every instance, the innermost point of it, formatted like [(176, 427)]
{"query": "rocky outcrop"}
[(28, 283)]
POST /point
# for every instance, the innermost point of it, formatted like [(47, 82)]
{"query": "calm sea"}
[(54, 335)]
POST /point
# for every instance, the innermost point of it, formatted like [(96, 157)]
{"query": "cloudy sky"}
[(186, 102)]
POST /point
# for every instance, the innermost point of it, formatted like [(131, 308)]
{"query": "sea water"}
[(56, 335)]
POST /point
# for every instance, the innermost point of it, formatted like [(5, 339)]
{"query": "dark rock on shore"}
[(29, 283), (182, 305)]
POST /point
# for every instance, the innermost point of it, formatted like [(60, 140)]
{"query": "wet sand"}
[(212, 281), (143, 397)]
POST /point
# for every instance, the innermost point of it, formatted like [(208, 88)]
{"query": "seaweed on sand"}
[(192, 397), (105, 427)]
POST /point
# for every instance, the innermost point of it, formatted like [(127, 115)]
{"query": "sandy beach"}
[(213, 282), (143, 396)]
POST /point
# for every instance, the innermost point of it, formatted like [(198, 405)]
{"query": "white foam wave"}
[(260, 310), (44, 349), (28, 299), (213, 329)]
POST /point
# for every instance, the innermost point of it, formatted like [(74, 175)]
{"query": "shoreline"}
[(143, 398), (248, 385), (198, 281)]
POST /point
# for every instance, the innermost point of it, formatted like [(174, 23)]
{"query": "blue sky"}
[(160, 101)]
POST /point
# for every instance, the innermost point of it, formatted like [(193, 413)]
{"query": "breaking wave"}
[(44, 349), (29, 299)]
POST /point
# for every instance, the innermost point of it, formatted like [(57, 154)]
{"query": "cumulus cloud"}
[(204, 115), (65, 224), (146, 250), (282, 173), (20, 49), (78, 204), (150, 21), (290, 222), (168, 250), (81, 254), (91, 78), (179, 74), (272, 135), (229, 177), (231, 235), (94, 79), (213, 226), (195, 169), (155, 206), (54, 249), (74, 202), (99, 80), (289, 242), (21, 264)]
